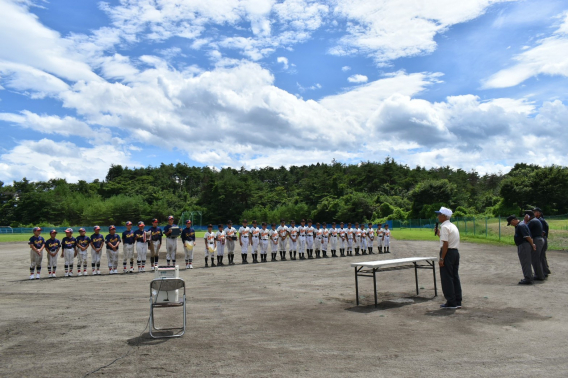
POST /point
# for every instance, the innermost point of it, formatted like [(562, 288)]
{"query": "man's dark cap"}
[(529, 213), (511, 218), (537, 209)]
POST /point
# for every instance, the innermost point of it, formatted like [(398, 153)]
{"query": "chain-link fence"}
[(494, 228)]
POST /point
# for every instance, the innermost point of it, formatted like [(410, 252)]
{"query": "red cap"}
[(112, 228), (97, 228)]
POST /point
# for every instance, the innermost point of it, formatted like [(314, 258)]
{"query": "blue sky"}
[(252, 83)]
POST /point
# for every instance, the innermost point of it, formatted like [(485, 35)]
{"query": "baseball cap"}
[(154, 220), (529, 213), (170, 217), (129, 223), (445, 211), (537, 209), (229, 222), (69, 230), (209, 225), (112, 228), (141, 223), (53, 232), (82, 229), (511, 218), (188, 222), (245, 221), (37, 229), (97, 228)]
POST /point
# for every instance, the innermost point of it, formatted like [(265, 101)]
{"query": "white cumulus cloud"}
[(357, 79)]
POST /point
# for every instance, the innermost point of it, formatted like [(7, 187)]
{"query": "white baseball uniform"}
[(363, 240), (380, 234), (302, 239), (350, 236), (293, 232), (325, 239), (221, 238), (244, 232), (333, 235), (357, 238), (230, 233), (264, 238), (255, 239), (310, 231), (342, 237), (283, 233), (274, 237), (318, 239), (370, 237), (210, 243), (387, 235)]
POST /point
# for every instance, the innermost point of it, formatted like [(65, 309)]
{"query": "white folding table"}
[(370, 268)]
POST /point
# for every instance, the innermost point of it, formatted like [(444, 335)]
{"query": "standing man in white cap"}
[(449, 259), (188, 240), (37, 245), (171, 242), (97, 243), (69, 251), (128, 241), (210, 245)]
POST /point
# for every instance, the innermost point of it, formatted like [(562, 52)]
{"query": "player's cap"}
[(53, 232), (209, 225), (245, 221), (370, 224), (82, 229), (332, 223), (129, 223), (188, 221), (141, 223), (264, 223), (282, 221), (37, 229), (317, 224), (511, 218), (220, 225), (69, 230), (97, 228), (530, 213), (537, 209), (386, 224), (154, 220), (254, 221), (112, 228), (273, 224), (445, 211), (303, 220), (229, 222), (170, 217), (293, 221), (309, 221)]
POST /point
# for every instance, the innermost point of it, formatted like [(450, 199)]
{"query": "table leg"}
[(375, 286), (434, 273), (416, 278), (356, 286)]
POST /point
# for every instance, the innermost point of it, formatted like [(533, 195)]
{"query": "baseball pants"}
[(317, 243), (535, 257), (324, 242), (245, 246), (81, 259), (154, 252), (255, 243), (95, 257), (524, 251), (282, 244), (310, 242), (220, 249), (302, 244), (333, 243), (128, 252), (141, 251), (171, 249), (51, 261), (342, 243), (293, 245), (209, 253), (35, 260), (69, 256), (349, 244), (386, 242), (380, 242), (263, 247), (230, 246), (363, 244), (189, 252), (356, 243), (273, 247), (112, 258)]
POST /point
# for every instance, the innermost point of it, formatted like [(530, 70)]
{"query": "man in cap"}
[(37, 245), (141, 246), (293, 234), (83, 242), (221, 238), (342, 239), (283, 233), (357, 238), (310, 235), (386, 238), (52, 245), (525, 246), (128, 241), (255, 241), (112, 242), (545, 228), (264, 237), (231, 236), (171, 242), (274, 237), (370, 237), (210, 245), (244, 240), (97, 243), (188, 240), (535, 228), (155, 243), (449, 259), (69, 251)]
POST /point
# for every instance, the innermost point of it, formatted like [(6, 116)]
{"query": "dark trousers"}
[(525, 251), (543, 260), (449, 275), (536, 262)]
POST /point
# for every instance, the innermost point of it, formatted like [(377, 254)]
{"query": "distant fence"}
[(493, 228)]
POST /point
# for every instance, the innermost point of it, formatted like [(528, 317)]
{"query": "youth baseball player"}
[(264, 239), (112, 242), (231, 234), (274, 237), (350, 236), (52, 245), (370, 238), (283, 233), (83, 243), (310, 234), (363, 239), (386, 238), (356, 238), (141, 247), (255, 241), (171, 242), (97, 243), (302, 239), (128, 241), (342, 239), (37, 245), (318, 240), (210, 245), (293, 235), (221, 239), (333, 235), (380, 235), (244, 239), (69, 251), (188, 240), (155, 244), (325, 240)]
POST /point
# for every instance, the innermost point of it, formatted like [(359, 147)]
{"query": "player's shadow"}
[(387, 305), (146, 339)]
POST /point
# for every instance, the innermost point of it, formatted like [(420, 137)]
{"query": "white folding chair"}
[(170, 286)]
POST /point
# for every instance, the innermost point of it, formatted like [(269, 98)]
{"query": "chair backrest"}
[(167, 284)]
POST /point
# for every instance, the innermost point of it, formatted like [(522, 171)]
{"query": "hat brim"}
[(438, 212)]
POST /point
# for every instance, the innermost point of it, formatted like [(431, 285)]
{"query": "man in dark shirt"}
[(83, 242), (544, 261), (188, 240), (155, 244), (525, 245), (128, 241), (535, 228)]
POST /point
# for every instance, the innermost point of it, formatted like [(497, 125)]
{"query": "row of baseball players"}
[(300, 239)]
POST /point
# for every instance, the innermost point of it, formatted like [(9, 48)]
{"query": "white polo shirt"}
[(450, 233)]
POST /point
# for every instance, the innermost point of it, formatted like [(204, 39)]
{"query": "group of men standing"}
[(531, 239), (314, 240)]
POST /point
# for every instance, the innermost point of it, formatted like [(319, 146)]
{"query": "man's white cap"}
[(444, 210)]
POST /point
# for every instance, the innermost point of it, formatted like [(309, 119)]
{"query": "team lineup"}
[(315, 241)]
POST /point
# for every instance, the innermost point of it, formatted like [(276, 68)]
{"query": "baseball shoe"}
[(186, 266), (131, 270), (98, 272), (94, 272), (152, 269), (446, 306), (37, 276), (70, 274), (79, 274), (32, 277), (190, 266), (66, 274)]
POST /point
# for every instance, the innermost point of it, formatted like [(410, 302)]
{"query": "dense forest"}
[(325, 192)]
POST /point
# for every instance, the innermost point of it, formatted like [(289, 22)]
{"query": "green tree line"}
[(369, 191)]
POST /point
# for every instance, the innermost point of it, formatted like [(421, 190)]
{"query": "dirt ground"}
[(292, 318)]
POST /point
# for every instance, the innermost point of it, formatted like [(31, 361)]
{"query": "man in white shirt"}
[(244, 240), (380, 235), (310, 234), (231, 236), (302, 239), (264, 237), (370, 238), (386, 238), (342, 238), (221, 238), (293, 234), (334, 235), (283, 233), (255, 241), (210, 245), (449, 259), (274, 237)]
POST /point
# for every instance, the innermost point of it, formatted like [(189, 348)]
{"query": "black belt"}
[(141, 241), (128, 243), (172, 237)]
